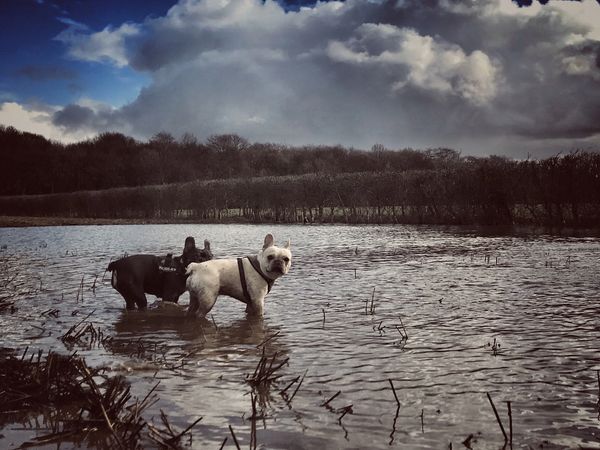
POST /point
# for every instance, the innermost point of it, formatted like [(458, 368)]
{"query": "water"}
[(455, 291)]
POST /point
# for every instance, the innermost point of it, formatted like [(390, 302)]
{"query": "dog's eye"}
[(286, 259), (270, 257)]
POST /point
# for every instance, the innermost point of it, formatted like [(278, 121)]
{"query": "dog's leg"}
[(194, 305), (129, 302), (201, 301), (127, 293), (256, 308), (207, 303), (141, 301), (137, 296)]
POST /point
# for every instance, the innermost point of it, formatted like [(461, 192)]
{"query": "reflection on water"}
[(454, 292)]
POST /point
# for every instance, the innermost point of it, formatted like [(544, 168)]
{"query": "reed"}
[(325, 404), (394, 392), (497, 417), (598, 402), (167, 437), (265, 371), (283, 391), (510, 424), (234, 438), (495, 347), (394, 425), (93, 288), (402, 329), (264, 342), (59, 381), (253, 422), (105, 270), (370, 310), (85, 334), (79, 291), (344, 410), (289, 400)]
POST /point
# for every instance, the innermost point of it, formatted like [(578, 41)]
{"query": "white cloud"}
[(422, 62), (585, 12), (37, 120), (407, 73), (106, 45)]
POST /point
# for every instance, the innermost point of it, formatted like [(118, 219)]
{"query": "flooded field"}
[(447, 314)]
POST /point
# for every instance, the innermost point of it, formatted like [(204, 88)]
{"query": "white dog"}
[(247, 279)]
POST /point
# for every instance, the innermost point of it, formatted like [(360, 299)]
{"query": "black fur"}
[(135, 276)]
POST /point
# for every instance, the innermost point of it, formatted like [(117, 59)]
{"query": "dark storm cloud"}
[(402, 73), (77, 117)]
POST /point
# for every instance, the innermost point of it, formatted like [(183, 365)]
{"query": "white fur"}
[(209, 279)]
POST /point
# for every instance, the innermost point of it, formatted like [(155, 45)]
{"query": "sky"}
[(479, 76)]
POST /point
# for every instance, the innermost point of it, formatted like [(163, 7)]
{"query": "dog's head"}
[(172, 271), (275, 261), (191, 253), (173, 268)]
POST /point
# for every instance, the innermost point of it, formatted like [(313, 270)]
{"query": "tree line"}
[(563, 190), (34, 165)]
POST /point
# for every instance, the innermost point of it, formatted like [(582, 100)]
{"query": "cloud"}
[(419, 61), (73, 24), (38, 119), (476, 75), (107, 45)]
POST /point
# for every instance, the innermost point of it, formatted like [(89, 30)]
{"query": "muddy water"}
[(515, 316)]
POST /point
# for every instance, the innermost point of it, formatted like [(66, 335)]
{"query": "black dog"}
[(137, 275)]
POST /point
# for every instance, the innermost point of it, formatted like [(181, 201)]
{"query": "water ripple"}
[(515, 316)]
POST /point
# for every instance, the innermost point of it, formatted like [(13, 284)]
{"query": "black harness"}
[(256, 266), (170, 265)]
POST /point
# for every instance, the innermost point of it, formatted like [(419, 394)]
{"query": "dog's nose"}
[(277, 265)]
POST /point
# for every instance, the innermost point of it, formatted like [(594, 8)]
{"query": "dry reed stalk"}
[(331, 399), (510, 423), (297, 387), (264, 373), (394, 425), (344, 410), (167, 437), (268, 339), (234, 438), (394, 391), (80, 291), (283, 391), (598, 403), (497, 417)]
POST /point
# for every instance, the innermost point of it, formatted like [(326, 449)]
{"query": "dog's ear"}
[(206, 245), (268, 241), (287, 244), (190, 244)]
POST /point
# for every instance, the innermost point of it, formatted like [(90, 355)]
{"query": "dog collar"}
[(256, 266)]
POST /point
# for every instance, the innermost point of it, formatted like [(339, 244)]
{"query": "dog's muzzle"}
[(277, 266)]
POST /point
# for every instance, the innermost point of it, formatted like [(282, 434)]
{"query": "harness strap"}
[(256, 266), (243, 280)]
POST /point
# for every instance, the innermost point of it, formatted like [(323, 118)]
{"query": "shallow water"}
[(455, 291)]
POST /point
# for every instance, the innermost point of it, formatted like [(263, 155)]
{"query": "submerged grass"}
[(82, 401)]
